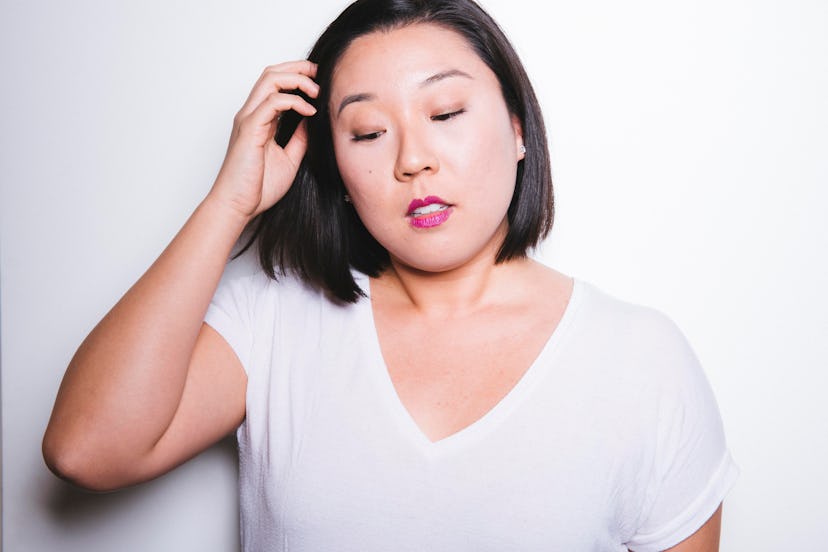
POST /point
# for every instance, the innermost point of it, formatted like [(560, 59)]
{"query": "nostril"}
[(412, 173)]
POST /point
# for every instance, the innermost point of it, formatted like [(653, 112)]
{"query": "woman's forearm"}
[(125, 382)]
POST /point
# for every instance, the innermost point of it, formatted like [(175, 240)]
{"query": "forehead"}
[(404, 57)]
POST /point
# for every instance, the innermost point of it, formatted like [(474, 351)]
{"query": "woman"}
[(402, 375)]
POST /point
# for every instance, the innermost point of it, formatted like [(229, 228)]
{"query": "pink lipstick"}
[(428, 212)]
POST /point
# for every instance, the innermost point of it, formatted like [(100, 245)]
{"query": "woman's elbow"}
[(78, 464)]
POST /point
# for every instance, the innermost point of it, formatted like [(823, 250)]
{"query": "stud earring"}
[(522, 149), (347, 198)]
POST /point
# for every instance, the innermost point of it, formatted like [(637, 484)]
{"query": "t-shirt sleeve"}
[(230, 314), (692, 469)]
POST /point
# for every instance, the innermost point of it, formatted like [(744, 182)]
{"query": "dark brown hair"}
[(313, 233)]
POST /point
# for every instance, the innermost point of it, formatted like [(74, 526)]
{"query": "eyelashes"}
[(447, 116), (442, 117), (367, 137)]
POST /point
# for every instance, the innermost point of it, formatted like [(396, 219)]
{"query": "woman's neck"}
[(460, 291)]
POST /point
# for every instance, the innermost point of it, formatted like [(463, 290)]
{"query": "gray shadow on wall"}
[(74, 510)]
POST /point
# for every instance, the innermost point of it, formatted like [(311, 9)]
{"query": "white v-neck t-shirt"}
[(611, 440)]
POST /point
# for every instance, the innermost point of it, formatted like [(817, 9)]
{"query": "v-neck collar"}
[(402, 418)]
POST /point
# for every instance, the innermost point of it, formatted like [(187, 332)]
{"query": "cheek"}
[(361, 183), (356, 170), (366, 187), (488, 161)]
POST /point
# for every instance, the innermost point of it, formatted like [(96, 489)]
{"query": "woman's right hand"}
[(257, 172)]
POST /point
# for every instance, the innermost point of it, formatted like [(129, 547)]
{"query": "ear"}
[(517, 128)]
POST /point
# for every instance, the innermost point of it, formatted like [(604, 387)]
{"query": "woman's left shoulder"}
[(635, 323), (632, 338)]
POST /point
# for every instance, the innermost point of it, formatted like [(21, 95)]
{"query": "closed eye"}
[(447, 116), (367, 137)]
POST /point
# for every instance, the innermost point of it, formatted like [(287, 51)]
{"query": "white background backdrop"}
[(689, 144)]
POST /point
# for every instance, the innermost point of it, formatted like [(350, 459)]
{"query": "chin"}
[(437, 261), (448, 251)]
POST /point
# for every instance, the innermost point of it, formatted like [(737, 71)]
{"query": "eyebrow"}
[(445, 75), (364, 97), (353, 98)]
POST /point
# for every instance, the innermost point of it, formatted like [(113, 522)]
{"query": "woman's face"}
[(425, 144)]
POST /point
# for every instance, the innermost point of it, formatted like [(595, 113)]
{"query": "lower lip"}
[(431, 220)]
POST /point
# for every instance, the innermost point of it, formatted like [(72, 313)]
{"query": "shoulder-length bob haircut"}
[(314, 233)]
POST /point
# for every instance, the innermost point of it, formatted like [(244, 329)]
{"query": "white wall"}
[(689, 143)]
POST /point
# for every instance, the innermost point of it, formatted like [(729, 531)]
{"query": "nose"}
[(415, 157)]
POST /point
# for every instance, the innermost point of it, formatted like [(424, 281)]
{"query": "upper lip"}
[(416, 203)]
